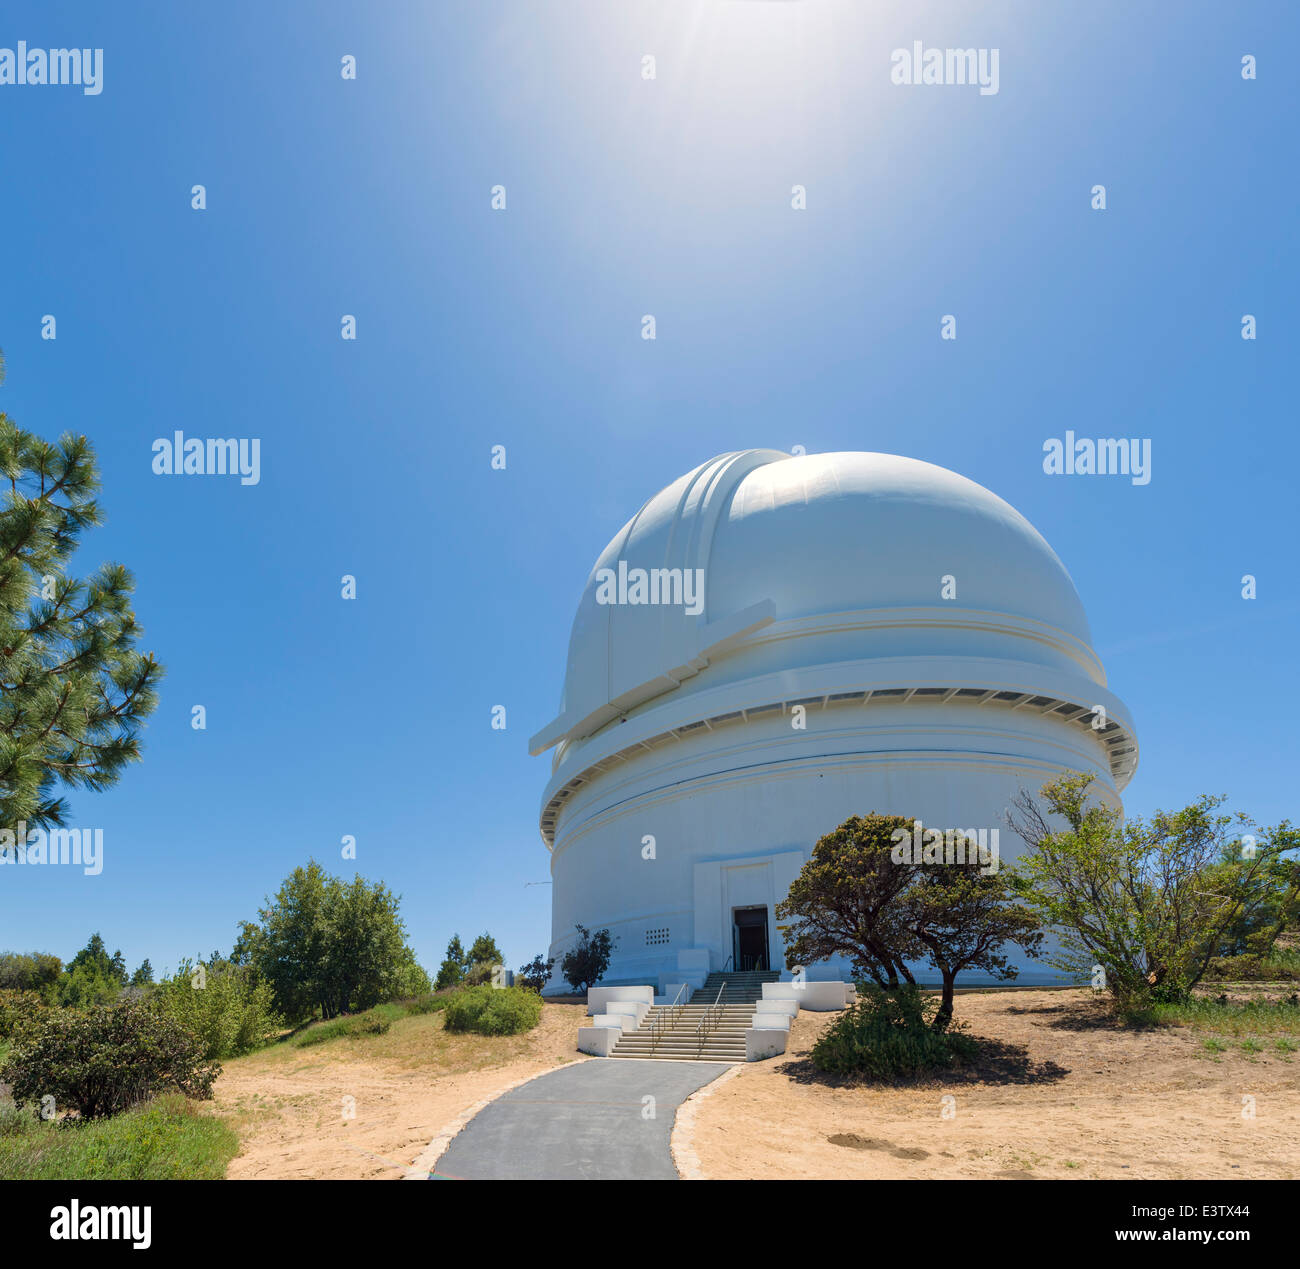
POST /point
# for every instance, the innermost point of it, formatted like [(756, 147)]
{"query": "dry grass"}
[(288, 1104), (1061, 1091)]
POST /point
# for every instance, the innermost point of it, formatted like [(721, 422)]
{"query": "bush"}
[(374, 1021), (231, 1013), (104, 1059), (1280, 967), (169, 1139), (494, 1010), (888, 1035), (18, 1008)]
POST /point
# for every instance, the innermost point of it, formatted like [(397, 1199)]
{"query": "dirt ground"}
[(1064, 1094), (287, 1104)]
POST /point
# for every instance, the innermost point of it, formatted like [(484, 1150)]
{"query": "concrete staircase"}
[(742, 988), (669, 1034), (678, 1037)]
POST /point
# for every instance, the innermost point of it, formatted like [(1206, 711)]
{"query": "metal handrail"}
[(715, 1009), (673, 1012)]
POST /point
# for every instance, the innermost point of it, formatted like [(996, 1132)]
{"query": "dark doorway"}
[(750, 938)]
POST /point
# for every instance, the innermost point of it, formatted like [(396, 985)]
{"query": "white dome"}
[(778, 538), (870, 633)]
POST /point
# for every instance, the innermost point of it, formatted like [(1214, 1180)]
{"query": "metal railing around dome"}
[(666, 1019)]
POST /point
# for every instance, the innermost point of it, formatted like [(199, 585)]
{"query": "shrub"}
[(18, 1008), (231, 1011), (494, 1010), (889, 1035), (374, 1021), (101, 1060)]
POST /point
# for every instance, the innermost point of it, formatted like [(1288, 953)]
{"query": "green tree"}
[(143, 976), (452, 969), (966, 917), (34, 971), (228, 1007), (74, 692), (1149, 902), (847, 901), (869, 895), (536, 974), (329, 945), (585, 963), (482, 960), (90, 977)]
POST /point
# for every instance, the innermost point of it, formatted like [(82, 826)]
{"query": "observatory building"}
[(775, 643)]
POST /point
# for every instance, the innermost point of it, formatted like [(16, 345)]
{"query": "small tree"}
[(143, 976), (452, 969), (846, 902), (90, 977), (964, 917), (862, 897), (1148, 901), (482, 960), (536, 974), (329, 945), (586, 962)]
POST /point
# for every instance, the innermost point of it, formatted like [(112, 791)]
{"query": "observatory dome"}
[(773, 642)]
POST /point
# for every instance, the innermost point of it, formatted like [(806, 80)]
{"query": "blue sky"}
[(521, 328)]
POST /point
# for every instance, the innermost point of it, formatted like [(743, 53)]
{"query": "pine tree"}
[(483, 958), (74, 692), (143, 976), (452, 969)]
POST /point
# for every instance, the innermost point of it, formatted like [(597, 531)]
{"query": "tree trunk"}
[(944, 1016)]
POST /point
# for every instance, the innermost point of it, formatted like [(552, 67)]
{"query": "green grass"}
[(169, 1139), (370, 1023), (1241, 1019)]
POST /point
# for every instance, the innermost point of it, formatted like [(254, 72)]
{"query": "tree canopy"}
[(74, 692), (330, 945)]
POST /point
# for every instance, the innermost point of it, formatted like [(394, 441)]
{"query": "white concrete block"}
[(638, 1007), (764, 1042), (598, 1041), (816, 997), (623, 1021), (770, 1021), (599, 997)]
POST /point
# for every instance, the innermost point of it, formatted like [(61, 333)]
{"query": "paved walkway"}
[(584, 1122)]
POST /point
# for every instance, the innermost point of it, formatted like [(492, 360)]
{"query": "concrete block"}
[(764, 1042), (599, 997), (598, 1041)]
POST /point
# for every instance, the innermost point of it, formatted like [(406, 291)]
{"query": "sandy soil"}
[(1066, 1094), (287, 1104)]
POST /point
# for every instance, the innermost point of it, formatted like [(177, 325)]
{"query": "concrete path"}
[(589, 1122)]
